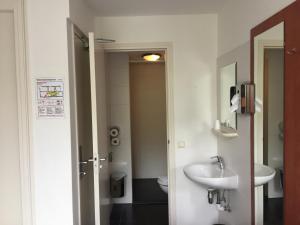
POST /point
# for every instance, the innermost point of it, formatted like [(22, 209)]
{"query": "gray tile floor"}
[(273, 211), (148, 191), (150, 206), (139, 214)]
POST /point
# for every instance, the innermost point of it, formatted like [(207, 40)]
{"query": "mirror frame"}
[(286, 15)]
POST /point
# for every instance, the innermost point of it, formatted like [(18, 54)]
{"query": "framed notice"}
[(50, 98)]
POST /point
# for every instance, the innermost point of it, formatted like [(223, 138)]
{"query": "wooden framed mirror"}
[(275, 127)]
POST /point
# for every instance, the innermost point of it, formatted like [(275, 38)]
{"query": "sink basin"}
[(263, 174), (211, 176)]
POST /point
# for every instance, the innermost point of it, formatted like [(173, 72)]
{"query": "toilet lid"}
[(163, 181)]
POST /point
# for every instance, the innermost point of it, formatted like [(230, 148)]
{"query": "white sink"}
[(263, 174), (211, 176)]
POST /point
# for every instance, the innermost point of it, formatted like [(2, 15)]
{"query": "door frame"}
[(25, 114), (289, 183), (168, 49)]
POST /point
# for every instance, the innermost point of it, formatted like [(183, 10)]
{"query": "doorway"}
[(104, 120), (269, 123), (148, 130), (273, 133), (138, 110)]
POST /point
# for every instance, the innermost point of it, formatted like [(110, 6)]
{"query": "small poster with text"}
[(50, 98)]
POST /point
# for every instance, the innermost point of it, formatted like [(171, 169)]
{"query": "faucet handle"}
[(219, 158), (220, 161)]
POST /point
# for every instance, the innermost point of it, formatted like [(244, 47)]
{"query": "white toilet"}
[(163, 183)]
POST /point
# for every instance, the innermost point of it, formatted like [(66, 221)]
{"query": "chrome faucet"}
[(220, 161)]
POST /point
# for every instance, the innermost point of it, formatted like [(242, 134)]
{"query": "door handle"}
[(293, 51), (83, 174), (92, 159), (87, 161)]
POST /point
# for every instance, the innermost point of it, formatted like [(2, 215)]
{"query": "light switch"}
[(181, 144)]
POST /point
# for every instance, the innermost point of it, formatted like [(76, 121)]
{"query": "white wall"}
[(238, 17), (82, 15), (47, 51), (235, 22), (194, 40), (118, 77), (236, 151), (148, 120)]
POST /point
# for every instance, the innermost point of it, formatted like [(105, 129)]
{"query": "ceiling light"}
[(151, 57)]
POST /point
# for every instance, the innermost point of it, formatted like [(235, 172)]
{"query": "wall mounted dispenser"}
[(245, 93)]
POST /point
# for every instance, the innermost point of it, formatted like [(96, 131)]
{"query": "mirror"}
[(268, 126), (228, 79)]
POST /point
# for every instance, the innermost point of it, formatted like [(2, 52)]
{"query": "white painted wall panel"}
[(47, 51), (236, 152), (238, 17), (82, 15)]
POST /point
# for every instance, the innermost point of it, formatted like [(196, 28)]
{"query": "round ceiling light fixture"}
[(151, 57)]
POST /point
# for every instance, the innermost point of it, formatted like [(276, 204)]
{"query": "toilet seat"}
[(163, 181)]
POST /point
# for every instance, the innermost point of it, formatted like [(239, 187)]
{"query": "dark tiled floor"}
[(273, 211), (139, 214), (148, 191)]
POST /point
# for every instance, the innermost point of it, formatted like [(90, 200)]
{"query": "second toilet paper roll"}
[(115, 141)]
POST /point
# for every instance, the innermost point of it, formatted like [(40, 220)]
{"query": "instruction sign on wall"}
[(50, 98)]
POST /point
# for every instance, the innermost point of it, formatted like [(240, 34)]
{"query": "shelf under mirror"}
[(227, 132)]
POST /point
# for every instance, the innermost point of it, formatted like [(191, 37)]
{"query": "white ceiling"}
[(154, 7)]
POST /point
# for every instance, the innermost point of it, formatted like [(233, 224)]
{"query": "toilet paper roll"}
[(115, 141), (234, 108), (281, 126), (235, 99), (257, 108), (258, 102), (220, 207), (114, 132)]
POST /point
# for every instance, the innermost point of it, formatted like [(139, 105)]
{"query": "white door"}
[(10, 176), (84, 144), (100, 132), (89, 131)]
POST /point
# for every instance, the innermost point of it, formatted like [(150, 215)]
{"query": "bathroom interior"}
[(135, 92), (136, 99), (207, 133), (222, 146)]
